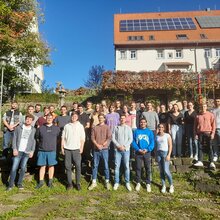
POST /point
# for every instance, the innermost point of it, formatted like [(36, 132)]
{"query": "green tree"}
[(20, 43), (94, 80)]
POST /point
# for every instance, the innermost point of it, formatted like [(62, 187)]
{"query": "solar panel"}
[(208, 21), (157, 24)]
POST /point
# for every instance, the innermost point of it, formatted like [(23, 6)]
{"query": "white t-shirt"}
[(162, 142), (24, 138)]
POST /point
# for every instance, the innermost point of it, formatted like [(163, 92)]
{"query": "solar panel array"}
[(209, 21), (157, 24)]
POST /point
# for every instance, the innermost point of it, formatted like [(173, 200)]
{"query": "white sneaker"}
[(108, 186), (212, 165), (148, 188), (215, 158), (92, 186), (128, 187), (138, 187), (171, 189), (199, 164), (196, 157), (191, 156), (163, 190), (116, 185)]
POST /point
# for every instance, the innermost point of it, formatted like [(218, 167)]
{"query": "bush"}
[(38, 97)]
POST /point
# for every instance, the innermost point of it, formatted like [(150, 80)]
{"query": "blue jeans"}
[(216, 143), (164, 167), (125, 157), (177, 135), (7, 139), (97, 156), (22, 159), (192, 142)]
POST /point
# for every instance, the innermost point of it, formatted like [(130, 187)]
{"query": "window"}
[(208, 52), (170, 55), (133, 54), (123, 55), (217, 52), (160, 54), (151, 37), (134, 38), (181, 37), (179, 54), (203, 36)]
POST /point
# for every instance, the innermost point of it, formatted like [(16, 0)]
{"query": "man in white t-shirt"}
[(72, 143), (23, 145)]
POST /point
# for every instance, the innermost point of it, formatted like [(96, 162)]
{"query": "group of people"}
[(112, 134)]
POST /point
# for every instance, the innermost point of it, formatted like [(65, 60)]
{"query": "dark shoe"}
[(50, 185), (69, 187), (20, 186), (78, 187), (39, 185)]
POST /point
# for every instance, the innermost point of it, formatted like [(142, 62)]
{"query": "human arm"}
[(170, 147), (82, 138), (14, 143)]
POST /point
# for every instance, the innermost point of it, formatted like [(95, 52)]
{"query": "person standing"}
[(164, 149), (151, 117), (43, 119), (175, 128), (101, 136), (47, 136), (118, 108), (216, 113), (122, 138), (11, 119), (37, 111), (30, 111), (189, 120), (52, 109), (73, 138), (23, 146), (143, 144), (205, 132)]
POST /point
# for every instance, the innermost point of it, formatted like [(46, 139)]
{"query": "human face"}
[(133, 106), (31, 110), (89, 105), (162, 107), (122, 120), (161, 128), (28, 121), (175, 108), (185, 104), (75, 106), (118, 104), (63, 111), (125, 109), (49, 119), (14, 105), (190, 106), (204, 108), (74, 117), (80, 109), (37, 108), (46, 111), (143, 124), (112, 109), (170, 107), (97, 107), (52, 109), (149, 106), (217, 102), (142, 105), (101, 119)]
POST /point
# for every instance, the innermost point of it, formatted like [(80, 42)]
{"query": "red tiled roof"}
[(167, 37)]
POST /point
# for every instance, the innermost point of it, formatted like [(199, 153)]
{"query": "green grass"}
[(102, 204)]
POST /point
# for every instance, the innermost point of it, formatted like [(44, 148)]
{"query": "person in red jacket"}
[(205, 131)]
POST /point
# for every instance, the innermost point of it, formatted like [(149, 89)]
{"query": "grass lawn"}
[(57, 203)]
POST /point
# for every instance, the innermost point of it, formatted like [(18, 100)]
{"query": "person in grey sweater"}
[(122, 138), (151, 116), (23, 145)]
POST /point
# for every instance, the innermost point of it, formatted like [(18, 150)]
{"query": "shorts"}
[(46, 158)]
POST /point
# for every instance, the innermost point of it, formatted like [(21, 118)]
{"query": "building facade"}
[(167, 41)]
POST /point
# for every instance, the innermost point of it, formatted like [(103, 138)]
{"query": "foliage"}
[(45, 88), (94, 80), (38, 98), (131, 81)]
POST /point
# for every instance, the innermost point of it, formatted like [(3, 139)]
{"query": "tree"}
[(94, 80), (20, 43)]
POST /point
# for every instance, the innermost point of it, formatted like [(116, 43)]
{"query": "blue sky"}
[(80, 32)]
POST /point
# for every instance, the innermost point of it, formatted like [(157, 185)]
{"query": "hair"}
[(112, 105), (143, 119), (51, 106), (29, 116), (122, 115), (80, 105), (101, 114), (46, 108), (89, 102), (14, 102), (63, 106), (164, 126), (75, 103), (49, 115), (30, 106), (74, 113), (38, 105)]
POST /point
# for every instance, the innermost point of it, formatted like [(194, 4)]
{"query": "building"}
[(165, 41)]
